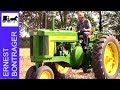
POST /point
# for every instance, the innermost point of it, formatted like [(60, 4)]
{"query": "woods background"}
[(101, 20)]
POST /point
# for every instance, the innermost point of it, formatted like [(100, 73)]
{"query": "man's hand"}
[(76, 30), (86, 30)]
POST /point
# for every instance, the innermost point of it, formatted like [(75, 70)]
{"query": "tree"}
[(100, 21), (111, 21), (30, 20), (90, 15)]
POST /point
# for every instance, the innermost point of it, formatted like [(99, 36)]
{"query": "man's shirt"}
[(83, 24)]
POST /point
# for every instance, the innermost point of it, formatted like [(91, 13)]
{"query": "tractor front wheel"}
[(106, 57), (30, 74), (44, 72), (60, 72)]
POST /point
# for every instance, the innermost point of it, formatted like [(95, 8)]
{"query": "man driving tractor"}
[(83, 28)]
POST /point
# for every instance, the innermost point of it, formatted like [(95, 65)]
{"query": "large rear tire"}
[(106, 57)]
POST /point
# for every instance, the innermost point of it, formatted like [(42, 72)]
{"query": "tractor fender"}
[(76, 56)]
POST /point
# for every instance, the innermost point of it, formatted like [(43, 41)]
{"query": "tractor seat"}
[(89, 36)]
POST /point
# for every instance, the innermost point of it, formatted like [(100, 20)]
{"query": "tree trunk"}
[(100, 21), (71, 20), (61, 17), (65, 18), (44, 20), (39, 19)]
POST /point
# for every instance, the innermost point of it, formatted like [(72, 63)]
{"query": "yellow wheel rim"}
[(61, 69), (111, 58), (45, 75)]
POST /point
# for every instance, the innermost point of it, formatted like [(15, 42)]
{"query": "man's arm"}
[(89, 27), (76, 28)]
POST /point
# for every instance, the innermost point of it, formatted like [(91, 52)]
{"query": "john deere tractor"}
[(55, 52)]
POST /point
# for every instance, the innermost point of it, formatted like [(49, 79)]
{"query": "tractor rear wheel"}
[(44, 72), (106, 57), (31, 73), (61, 71)]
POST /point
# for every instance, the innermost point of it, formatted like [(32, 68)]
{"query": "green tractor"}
[(56, 52)]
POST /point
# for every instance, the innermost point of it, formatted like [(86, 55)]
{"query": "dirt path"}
[(25, 63)]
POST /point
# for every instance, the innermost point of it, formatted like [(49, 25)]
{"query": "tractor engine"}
[(62, 49), (56, 45)]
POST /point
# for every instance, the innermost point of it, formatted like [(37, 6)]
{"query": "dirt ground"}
[(25, 63)]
